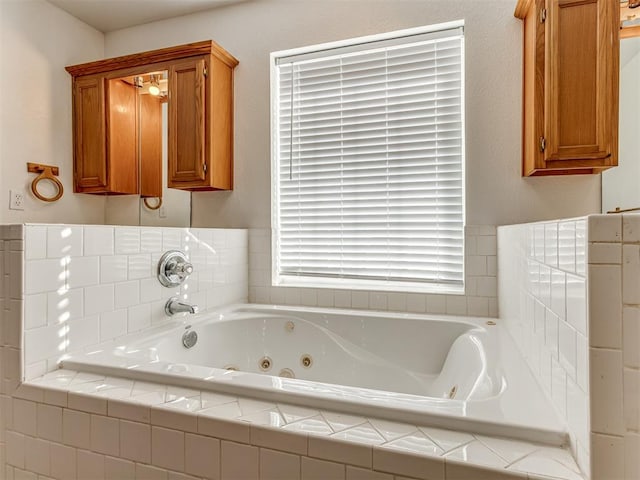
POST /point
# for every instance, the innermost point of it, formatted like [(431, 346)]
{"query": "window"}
[(368, 158)]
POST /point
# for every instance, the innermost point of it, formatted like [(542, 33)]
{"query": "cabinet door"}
[(581, 112), (90, 165), (122, 137), (187, 162)]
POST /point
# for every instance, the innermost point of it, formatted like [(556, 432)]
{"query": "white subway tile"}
[(90, 465), (567, 246), (44, 342), (98, 240), (631, 457), (76, 428), (35, 311), (113, 268), (551, 244), (276, 465), (37, 455), (605, 253), (150, 290), (150, 240), (577, 303), (631, 228), (35, 242), (83, 272), (559, 387), (313, 469), (551, 332), (113, 324), (24, 417), (167, 448), (558, 293), (63, 461), (117, 468), (44, 275), (545, 285), (139, 266), (138, 317), (607, 454), (631, 274), (202, 456), (606, 391), (476, 265), (567, 348), (631, 340), (127, 241), (127, 294), (98, 299), (436, 304), (148, 472), (605, 306), (64, 241), (135, 441), (67, 304), (49, 422), (105, 435), (605, 228), (582, 362), (632, 399), (15, 449), (239, 461), (83, 332), (486, 245), (456, 305), (581, 247)]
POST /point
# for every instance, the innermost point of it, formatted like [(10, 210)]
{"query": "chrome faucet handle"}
[(174, 268)]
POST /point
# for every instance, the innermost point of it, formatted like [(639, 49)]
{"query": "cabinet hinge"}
[(543, 15), (205, 71), (204, 168), (543, 144)]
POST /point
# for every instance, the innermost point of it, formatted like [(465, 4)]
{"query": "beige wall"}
[(37, 40), (496, 193)]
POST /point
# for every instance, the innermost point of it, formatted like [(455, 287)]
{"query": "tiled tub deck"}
[(71, 425)]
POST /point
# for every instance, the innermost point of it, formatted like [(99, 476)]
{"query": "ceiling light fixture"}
[(154, 88)]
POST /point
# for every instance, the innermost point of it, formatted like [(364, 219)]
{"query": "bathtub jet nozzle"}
[(174, 305)]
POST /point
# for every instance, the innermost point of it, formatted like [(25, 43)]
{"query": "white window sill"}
[(368, 285)]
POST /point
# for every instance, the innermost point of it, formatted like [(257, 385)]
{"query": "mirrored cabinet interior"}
[(570, 83), (130, 112)]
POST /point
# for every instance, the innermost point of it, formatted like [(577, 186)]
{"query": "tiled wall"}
[(86, 284), (588, 360), (543, 302), (480, 297), (614, 345)]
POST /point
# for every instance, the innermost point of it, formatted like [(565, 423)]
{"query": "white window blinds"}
[(368, 163)]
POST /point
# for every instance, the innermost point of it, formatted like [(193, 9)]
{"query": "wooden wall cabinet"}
[(570, 83), (201, 122), (110, 136)]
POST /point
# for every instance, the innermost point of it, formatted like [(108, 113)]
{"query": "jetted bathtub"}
[(454, 372)]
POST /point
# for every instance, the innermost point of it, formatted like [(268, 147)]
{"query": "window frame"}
[(349, 283)]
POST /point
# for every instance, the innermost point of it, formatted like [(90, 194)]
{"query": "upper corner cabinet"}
[(570, 81), (108, 125), (201, 122)]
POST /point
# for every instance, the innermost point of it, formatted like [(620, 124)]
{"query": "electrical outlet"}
[(162, 212), (16, 199)]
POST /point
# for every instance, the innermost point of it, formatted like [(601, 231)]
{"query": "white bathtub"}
[(452, 372)]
